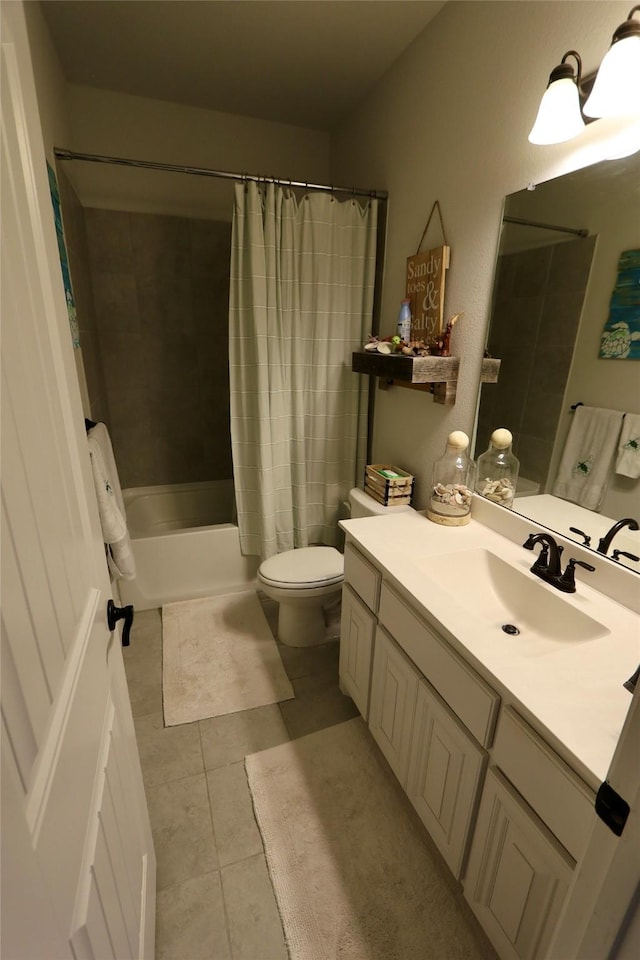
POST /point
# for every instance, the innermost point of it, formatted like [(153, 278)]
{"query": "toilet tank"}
[(362, 505)]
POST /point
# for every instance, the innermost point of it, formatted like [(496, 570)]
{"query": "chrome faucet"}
[(547, 565), (605, 542)]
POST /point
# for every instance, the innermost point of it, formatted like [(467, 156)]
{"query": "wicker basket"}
[(387, 484)]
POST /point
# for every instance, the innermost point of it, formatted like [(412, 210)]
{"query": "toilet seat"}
[(303, 569)]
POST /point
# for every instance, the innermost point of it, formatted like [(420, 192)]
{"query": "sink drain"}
[(511, 629)]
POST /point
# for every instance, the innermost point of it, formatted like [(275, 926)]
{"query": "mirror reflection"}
[(556, 270)]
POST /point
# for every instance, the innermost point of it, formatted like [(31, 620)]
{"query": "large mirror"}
[(556, 269)]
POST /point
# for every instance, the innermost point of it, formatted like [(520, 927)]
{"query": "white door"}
[(78, 869)]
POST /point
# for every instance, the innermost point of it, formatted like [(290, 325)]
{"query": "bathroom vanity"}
[(499, 739)]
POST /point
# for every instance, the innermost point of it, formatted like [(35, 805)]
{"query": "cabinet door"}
[(394, 686), (518, 873), (357, 630), (445, 770)]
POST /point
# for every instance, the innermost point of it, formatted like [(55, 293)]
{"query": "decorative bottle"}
[(498, 470), (452, 487), (404, 321)]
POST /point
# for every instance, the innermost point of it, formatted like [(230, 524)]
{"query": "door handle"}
[(120, 613)]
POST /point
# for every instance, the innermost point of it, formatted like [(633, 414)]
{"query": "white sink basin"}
[(498, 594)]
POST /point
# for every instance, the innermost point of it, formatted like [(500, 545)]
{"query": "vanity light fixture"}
[(559, 116), (616, 91)]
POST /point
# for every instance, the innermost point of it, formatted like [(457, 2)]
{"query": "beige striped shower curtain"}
[(301, 300)]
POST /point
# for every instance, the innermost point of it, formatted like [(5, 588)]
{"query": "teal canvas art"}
[(64, 260), (621, 335)]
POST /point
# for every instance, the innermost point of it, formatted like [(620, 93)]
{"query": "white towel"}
[(588, 453), (110, 504), (628, 460)]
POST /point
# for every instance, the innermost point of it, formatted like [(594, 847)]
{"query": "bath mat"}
[(354, 873), (218, 656)]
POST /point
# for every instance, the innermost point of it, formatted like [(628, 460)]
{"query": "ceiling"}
[(303, 62)]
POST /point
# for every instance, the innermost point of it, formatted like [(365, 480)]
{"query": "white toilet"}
[(303, 581)]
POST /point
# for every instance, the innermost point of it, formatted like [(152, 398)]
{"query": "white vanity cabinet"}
[(518, 873), (360, 597), (432, 753), (533, 825), (357, 631), (510, 817), (394, 688), (445, 772)]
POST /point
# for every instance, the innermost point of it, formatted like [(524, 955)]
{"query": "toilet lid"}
[(304, 567)]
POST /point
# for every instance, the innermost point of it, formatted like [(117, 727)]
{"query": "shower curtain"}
[(301, 300)]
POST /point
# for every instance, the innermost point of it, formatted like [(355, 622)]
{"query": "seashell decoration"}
[(453, 495), (500, 491)]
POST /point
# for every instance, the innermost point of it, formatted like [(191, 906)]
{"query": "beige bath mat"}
[(354, 874), (218, 656)]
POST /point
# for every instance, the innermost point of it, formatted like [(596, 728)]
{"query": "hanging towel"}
[(587, 457), (628, 460), (110, 504)]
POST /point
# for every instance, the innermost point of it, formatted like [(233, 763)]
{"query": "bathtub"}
[(185, 544)]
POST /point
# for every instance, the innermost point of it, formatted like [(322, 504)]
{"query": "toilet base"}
[(303, 625), (301, 618)]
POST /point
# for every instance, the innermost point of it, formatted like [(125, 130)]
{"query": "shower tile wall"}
[(76, 242), (161, 289), (537, 306)]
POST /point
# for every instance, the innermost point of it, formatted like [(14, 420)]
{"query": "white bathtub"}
[(185, 544)]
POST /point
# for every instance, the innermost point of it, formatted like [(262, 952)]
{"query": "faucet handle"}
[(567, 582), (587, 538), (623, 553)]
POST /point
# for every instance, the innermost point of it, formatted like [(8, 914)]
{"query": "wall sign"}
[(425, 285), (425, 289)]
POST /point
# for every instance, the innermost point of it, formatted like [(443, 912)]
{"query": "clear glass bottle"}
[(452, 487), (498, 470), (404, 321)]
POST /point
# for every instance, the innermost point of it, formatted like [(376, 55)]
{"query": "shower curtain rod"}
[(546, 226), (223, 174)]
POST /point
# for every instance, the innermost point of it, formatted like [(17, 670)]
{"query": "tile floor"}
[(214, 896), (215, 900)]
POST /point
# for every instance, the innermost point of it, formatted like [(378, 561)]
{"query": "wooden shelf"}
[(435, 375)]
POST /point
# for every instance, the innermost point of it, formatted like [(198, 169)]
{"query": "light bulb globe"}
[(559, 118), (616, 91)]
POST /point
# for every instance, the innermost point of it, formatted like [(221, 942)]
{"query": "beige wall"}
[(450, 122), (51, 86), (51, 90), (97, 121), (115, 124)]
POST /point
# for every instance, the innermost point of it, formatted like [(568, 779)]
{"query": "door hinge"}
[(611, 808)]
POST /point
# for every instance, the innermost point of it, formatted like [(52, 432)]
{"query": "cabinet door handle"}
[(120, 613)]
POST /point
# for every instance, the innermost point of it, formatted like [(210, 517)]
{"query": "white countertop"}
[(572, 691)]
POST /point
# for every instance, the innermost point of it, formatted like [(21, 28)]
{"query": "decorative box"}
[(387, 484)]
